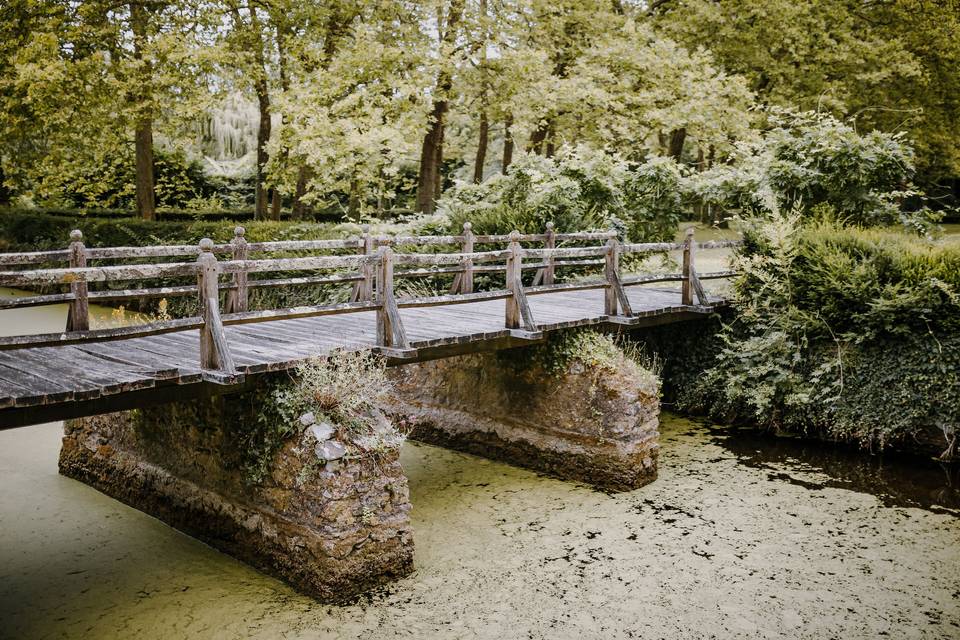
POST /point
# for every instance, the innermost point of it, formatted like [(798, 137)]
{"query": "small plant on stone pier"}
[(337, 401)]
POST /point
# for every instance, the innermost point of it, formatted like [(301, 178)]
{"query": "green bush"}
[(26, 230), (816, 163), (579, 190), (849, 333), (110, 184)]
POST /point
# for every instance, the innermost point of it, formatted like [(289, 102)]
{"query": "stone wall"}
[(332, 530), (592, 423)]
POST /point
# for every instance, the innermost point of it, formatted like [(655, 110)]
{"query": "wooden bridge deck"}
[(56, 382)]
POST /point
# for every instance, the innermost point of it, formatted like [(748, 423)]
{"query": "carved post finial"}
[(206, 245), (467, 226), (514, 236), (550, 226), (78, 313), (239, 232)]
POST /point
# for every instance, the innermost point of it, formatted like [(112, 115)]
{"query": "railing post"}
[(214, 353), (549, 243), (368, 249), (514, 271), (238, 297), (390, 332), (688, 248), (615, 296), (78, 313), (466, 283), (611, 265)]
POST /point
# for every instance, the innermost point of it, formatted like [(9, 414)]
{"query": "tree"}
[(121, 60), (246, 48), (431, 151), (890, 65), (355, 105)]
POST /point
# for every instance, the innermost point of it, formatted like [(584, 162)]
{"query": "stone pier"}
[(296, 498), (590, 422), (332, 529)]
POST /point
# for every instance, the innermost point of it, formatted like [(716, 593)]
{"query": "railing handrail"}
[(370, 268)]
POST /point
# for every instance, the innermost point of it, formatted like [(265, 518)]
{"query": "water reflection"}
[(898, 481)]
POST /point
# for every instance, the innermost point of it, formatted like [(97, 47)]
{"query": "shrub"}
[(842, 331), (347, 389), (344, 390), (592, 348), (110, 184), (806, 160), (578, 190)]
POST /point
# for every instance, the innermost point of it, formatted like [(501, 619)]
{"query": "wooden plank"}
[(426, 260), (109, 376), (267, 315), (29, 389), (295, 264), (565, 252), (651, 247), (129, 357)]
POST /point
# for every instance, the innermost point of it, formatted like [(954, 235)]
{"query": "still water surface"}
[(741, 536)]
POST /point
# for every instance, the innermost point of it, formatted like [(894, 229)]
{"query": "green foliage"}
[(345, 389), (578, 190), (31, 231), (842, 331), (815, 163), (653, 197), (111, 184), (890, 66), (591, 348)]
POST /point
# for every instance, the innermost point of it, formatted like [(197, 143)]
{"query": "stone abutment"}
[(333, 520)]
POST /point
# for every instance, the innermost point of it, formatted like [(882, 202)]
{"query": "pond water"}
[(741, 536)]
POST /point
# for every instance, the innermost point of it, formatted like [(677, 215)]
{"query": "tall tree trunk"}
[(4, 191), (282, 29), (481, 158), (300, 208), (431, 155), (431, 152), (146, 203), (263, 137), (537, 137), (484, 132), (336, 27), (507, 144), (143, 133), (353, 203), (263, 101), (677, 138), (275, 204), (438, 163)]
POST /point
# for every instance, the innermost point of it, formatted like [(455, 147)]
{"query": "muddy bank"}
[(728, 542)]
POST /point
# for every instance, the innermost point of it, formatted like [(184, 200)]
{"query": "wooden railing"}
[(372, 266)]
